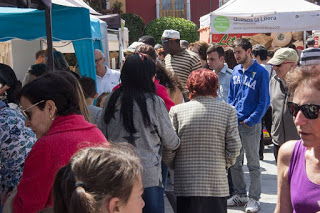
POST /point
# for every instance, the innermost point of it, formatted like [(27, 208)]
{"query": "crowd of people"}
[(72, 144)]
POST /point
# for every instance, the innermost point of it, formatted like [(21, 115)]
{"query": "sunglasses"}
[(26, 114), (279, 65), (98, 60), (310, 111)]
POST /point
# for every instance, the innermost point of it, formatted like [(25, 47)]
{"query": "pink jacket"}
[(66, 136)]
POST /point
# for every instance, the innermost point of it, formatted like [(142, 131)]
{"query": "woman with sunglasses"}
[(298, 161), (133, 113), (50, 104)]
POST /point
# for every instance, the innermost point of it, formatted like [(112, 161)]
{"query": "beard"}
[(243, 60)]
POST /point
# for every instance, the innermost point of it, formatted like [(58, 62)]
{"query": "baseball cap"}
[(284, 54), (132, 47), (171, 34)]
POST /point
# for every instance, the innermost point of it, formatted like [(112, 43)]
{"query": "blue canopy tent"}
[(68, 23)]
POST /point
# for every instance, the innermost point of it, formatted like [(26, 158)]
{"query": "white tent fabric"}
[(75, 3), (263, 16)]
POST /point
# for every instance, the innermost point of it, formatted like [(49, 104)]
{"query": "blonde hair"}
[(94, 174)]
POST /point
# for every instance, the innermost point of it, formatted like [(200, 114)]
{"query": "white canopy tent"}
[(262, 16)]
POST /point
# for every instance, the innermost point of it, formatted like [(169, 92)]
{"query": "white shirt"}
[(224, 82), (106, 83)]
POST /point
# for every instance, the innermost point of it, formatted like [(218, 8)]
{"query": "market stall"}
[(261, 16), (68, 24)]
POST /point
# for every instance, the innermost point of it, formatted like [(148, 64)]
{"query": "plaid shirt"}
[(210, 143)]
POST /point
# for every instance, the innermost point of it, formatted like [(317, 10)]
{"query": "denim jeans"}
[(154, 201), (250, 139)]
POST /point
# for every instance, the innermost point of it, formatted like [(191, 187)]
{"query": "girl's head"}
[(137, 73), (101, 99), (100, 180), (45, 98), (60, 62)]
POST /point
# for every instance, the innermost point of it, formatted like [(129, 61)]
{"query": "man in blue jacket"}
[(249, 94)]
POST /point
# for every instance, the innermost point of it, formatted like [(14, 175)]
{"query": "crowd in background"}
[(73, 144)]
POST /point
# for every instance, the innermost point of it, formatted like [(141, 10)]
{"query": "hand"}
[(1, 91), (4, 196), (242, 122)]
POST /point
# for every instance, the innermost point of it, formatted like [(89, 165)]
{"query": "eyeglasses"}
[(310, 111), (98, 60), (26, 114)]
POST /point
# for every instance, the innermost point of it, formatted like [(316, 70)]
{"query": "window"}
[(175, 8)]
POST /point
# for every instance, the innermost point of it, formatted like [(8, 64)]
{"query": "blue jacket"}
[(249, 93)]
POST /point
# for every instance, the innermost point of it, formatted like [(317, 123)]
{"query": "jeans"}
[(154, 201), (250, 139)]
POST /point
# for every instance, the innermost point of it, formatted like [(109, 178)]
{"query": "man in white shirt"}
[(215, 60), (107, 78)]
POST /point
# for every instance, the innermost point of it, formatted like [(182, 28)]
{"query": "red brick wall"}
[(144, 8), (202, 7)]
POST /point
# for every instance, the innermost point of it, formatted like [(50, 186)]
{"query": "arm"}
[(231, 91), (3, 89), (284, 198), (162, 93), (196, 64), (171, 143), (263, 102), (233, 143), (36, 182)]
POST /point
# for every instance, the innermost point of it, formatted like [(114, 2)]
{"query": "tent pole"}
[(304, 39), (49, 38)]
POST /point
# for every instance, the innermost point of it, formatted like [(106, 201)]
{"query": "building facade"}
[(188, 9)]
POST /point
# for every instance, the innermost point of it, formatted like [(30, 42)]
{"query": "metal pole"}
[(304, 39), (49, 38)]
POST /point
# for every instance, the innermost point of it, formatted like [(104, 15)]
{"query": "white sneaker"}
[(252, 205), (236, 200)]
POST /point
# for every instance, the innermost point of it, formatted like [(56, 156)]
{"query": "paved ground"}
[(269, 185)]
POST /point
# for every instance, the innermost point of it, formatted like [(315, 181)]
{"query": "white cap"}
[(171, 34), (132, 47)]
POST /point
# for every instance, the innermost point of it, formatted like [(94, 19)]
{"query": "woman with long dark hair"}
[(134, 114)]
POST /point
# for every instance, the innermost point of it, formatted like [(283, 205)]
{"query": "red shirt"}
[(66, 136), (161, 91)]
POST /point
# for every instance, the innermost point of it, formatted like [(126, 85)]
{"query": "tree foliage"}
[(135, 25), (188, 29)]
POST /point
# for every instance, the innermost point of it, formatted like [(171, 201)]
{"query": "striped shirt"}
[(310, 56), (182, 64)]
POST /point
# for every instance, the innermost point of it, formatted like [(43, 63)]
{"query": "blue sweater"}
[(249, 93)]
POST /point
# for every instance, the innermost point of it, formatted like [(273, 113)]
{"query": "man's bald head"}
[(99, 59), (99, 53)]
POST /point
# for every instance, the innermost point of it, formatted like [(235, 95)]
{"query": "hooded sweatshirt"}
[(249, 93)]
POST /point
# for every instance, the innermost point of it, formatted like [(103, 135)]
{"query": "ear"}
[(95, 96), (51, 106), (222, 59), (249, 51), (113, 205)]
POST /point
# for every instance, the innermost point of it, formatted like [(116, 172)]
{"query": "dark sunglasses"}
[(279, 65), (164, 41), (310, 111), (26, 114)]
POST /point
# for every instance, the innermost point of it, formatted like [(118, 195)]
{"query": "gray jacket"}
[(283, 128), (148, 139), (95, 113)]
